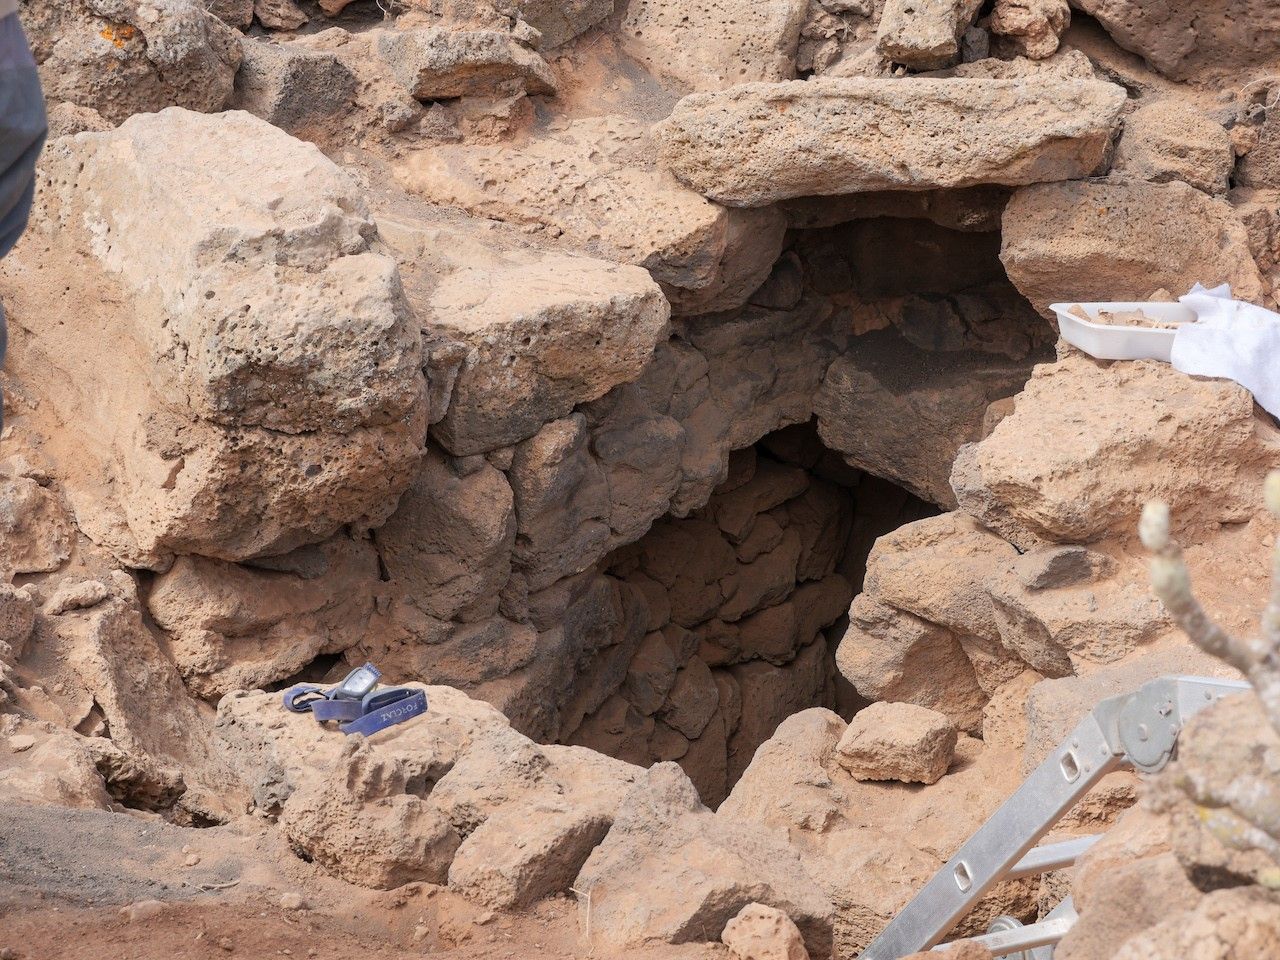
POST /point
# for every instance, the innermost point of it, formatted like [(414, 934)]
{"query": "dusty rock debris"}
[(668, 390)]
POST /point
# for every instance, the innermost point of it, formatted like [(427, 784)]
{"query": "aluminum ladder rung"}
[(1051, 856)]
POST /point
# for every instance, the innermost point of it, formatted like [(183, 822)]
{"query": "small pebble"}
[(226, 944), (292, 901), (21, 741), (487, 917), (191, 861), (8, 953)]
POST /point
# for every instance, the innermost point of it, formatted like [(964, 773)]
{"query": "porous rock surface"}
[(668, 390), (761, 143), (763, 933)]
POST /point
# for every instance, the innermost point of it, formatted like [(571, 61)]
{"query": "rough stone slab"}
[(887, 653), (1181, 38), (559, 21), (438, 64), (924, 34), (898, 741), (760, 143)]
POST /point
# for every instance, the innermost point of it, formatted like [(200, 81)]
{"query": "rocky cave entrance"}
[(747, 599)]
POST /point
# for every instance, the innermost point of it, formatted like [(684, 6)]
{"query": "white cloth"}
[(1238, 341)]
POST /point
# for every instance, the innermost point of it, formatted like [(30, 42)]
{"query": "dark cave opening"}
[(746, 599)]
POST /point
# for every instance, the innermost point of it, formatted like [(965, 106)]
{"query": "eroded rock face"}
[(593, 185), (761, 143), (233, 627), (709, 45), (290, 86), (122, 57), (313, 378)]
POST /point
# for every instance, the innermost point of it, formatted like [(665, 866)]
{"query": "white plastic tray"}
[(1108, 342)]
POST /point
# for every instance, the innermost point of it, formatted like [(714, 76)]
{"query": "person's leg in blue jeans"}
[(22, 130)]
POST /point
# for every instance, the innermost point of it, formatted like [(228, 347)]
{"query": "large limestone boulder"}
[(1109, 438), (559, 801), (122, 57), (938, 568), (760, 143), (438, 798), (787, 783), (671, 870), (1091, 241), (363, 823), (542, 332), (264, 386), (711, 46), (592, 186), (1183, 38), (1168, 140), (276, 752)]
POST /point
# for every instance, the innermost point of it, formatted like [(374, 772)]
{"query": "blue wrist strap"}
[(386, 708), (376, 710)]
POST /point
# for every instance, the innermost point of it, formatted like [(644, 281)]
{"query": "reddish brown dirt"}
[(202, 931)]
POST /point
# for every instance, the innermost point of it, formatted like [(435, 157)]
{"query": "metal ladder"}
[(1137, 729)]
